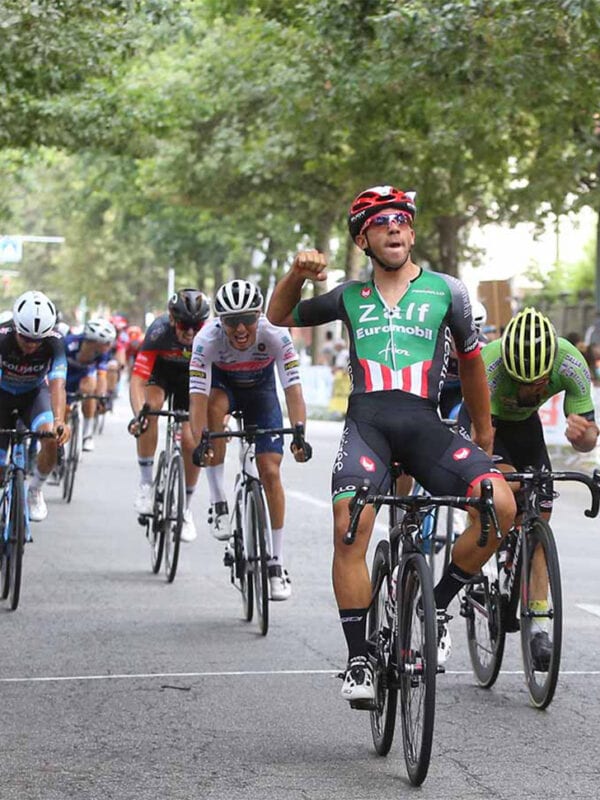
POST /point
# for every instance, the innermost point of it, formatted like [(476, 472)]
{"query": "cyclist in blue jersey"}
[(232, 367), (400, 323), (33, 369), (88, 356)]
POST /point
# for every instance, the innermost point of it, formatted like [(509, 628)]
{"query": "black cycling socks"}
[(354, 625), (451, 582)]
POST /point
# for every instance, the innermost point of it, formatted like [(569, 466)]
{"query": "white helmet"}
[(63, 328), (479, 315), (100, 330), (34, 315), (237, 296)]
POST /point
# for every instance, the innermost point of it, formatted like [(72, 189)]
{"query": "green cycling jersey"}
[(569, 374)]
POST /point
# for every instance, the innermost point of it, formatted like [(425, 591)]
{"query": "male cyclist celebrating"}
[(32, 382), (526, 367), (232, 368), (161, 369), (87, 362), (399, 324)]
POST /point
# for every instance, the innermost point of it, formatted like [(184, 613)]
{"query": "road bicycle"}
[(14, 513), (402, 620), (68, 460), (249, 550), (505, 596), (163, 525), (103, 407)]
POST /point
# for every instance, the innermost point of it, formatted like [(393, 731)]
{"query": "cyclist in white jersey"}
[(232, 368)]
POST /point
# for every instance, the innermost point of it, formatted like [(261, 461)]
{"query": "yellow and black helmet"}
[(529, 346)]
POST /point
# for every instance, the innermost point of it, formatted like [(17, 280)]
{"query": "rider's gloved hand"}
[(302, 454)]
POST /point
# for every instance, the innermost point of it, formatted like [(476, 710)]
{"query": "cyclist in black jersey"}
[(161, 369), (400, 324)]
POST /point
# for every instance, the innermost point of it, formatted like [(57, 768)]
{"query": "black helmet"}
[(189, 306)]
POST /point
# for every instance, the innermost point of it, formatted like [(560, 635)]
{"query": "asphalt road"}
[(114, 684)]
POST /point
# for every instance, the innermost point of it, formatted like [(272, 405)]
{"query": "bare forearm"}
[(198, 414), (58, 399), (285, 297), (296, 406), (476, 395), (137, 393)]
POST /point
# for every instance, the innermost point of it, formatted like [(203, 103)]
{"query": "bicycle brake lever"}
[(487, 513), (595, 490), (357, 503)]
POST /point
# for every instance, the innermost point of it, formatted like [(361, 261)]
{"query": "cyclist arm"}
[(287, 293), (58, 401), (137, 393), (476, 395)]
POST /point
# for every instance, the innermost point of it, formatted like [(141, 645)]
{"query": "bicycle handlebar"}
[(485, 505), (535, 479), (18, 435), (249, 433)]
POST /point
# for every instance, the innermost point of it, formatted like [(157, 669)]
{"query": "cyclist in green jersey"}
[(529, 365), (400, 324)]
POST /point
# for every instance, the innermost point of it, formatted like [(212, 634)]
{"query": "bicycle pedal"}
[(363, 705)]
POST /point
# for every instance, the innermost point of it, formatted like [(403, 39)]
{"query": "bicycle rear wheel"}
[(482, 609), (541, 549), (380, 642), (257, 555), (16, 541), (416, 653), (173, 515), (72, 460), (6, 550), (156, 529)]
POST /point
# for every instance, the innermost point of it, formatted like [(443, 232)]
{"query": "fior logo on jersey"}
[(365, 291), (461, 453), (367, 463)]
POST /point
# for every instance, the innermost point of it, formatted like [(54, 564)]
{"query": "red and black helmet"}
[(375, 199)]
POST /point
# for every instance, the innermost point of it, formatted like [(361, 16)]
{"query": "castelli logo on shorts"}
[(367, 464), (460, 455), (365, 292)]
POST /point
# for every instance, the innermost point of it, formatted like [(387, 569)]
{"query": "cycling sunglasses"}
[(29, 339), (399, 217), (188, 326), (234, 320)]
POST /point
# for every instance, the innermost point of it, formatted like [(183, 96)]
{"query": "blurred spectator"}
[(592, 357), (341, 355), (592, 335), (327, 354)]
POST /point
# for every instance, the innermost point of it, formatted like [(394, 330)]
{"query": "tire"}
[(380, 632), (242, 571), (72, 459), (416, 654), (173, 509), (257, 555), (482, 609), (541, 683), (16, 539), (6, 550), (156, 530)]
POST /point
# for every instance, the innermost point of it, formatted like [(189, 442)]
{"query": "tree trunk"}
[(355, 261), (448, 229)]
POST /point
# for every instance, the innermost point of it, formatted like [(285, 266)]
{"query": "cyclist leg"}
[(146, 445), (181, 401), (87, 385), (39, 417), (220, 404)]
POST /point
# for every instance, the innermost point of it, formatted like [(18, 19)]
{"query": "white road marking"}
[(591, 609), (231, 674)]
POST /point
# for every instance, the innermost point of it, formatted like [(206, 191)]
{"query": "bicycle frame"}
[(16, 461)]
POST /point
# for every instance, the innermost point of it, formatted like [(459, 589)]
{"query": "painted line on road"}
[(232, 674), (591, 609)]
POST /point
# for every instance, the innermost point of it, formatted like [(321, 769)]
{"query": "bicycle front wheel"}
[(173, 515), (257, 553), (243, 573), (482, 609), (380, 643), (72, 459), (16, 541), (540, 576), (416, 654), (156, 528)]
